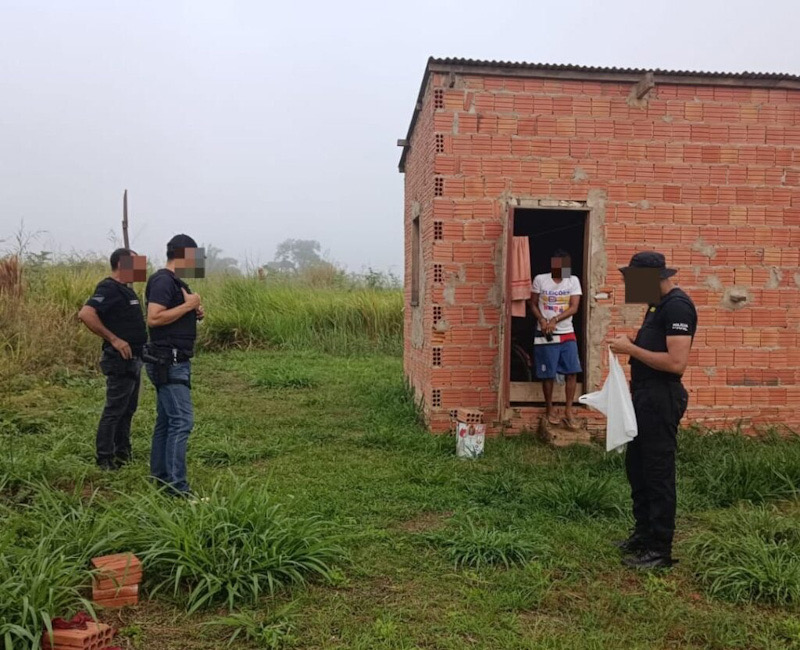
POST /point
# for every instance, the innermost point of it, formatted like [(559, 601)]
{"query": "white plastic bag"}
[(614, 401), (470, 439)]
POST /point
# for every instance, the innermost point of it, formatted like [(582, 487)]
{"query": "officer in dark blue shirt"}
[(115, 315), (172, 315), (658, 358)]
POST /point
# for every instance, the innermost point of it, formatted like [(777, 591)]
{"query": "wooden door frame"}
[(504, 402)]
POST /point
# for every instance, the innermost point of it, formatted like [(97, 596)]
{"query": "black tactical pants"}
[(650, 461), (113, 440)]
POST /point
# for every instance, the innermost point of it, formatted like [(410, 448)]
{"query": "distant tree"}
[(215, 263), (297, 255)]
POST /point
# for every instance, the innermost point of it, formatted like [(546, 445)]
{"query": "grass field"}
[(335, 521), (420, 549)]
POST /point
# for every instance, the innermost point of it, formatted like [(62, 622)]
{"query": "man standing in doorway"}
[(115, 315), (172, 315), (555, 299), (658, 357)]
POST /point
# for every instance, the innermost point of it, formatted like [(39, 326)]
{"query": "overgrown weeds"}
[(723, 469), (750, 555), (468, 545), (272, 630), (573, 495), (235, 547)]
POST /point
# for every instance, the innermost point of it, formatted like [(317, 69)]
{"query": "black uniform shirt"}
[(164, 288), (118, 308), (675, 315)]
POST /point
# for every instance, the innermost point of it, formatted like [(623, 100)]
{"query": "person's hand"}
[(123, 348), (192, 300), (543, 325), (621, 344), (551, 325), (200, 312)]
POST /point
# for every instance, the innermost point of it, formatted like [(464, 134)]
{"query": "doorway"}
[(547, 230)]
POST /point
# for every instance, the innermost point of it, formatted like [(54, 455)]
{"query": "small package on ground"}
[(470, 438), (614, 401)]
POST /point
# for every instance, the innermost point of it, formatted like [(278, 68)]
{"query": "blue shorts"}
[(561, 358)]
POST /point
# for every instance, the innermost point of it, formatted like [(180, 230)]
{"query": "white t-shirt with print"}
[(554, 298)]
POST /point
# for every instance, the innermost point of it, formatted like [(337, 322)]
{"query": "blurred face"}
[(132, 268), (190, 262), (560, 267), (642, 286)]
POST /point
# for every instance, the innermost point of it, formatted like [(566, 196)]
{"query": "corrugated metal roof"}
[(567, 67), (569, 71)]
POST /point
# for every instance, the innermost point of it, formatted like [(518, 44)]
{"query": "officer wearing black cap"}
[(658, 357), (172, 315)]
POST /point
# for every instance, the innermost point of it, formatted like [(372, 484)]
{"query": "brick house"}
[(703, 167)]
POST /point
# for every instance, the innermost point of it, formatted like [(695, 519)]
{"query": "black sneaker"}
[(107, 466), (634, 544), (649, 560)]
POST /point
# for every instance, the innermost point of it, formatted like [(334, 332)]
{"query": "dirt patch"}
[(424, 522)]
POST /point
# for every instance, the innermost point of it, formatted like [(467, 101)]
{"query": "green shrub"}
[(37, 585), (723, 469), (574, 495), (471, 546), (750, 555), (232, 549)]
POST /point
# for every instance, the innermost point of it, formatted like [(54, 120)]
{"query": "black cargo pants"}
[(650, 460), (113, 442)]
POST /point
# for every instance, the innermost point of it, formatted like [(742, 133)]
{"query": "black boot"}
[(636, 543), (649, 560)]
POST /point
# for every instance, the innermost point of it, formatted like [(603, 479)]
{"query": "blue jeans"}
[(174, 421)]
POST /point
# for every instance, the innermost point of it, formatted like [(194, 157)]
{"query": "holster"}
[(162, 359)]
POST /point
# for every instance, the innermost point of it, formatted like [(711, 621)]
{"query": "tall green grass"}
[(230, 549), (40, 334), (246, 312), (750, 555), (723, 469)]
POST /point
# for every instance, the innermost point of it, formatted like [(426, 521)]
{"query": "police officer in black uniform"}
[(115, 315), (658, 357)]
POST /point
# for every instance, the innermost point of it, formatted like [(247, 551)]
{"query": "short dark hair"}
[(117, 254), (560, 252), (179, 242)]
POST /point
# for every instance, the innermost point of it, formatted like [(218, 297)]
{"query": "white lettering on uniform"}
[(683, 327)]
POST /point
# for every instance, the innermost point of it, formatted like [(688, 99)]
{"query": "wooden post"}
[(125, 241)]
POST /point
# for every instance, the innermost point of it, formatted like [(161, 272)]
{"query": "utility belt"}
[(162, 359)]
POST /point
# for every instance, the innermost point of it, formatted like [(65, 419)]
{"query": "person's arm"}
[(674, 360), (158, 315), (88, 315), (680, 322), (534, 300), (574, 305)]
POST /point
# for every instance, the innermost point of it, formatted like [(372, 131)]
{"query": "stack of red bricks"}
[(116, 580), (79, 635)]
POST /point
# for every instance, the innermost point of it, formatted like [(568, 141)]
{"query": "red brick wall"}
[(709, 175), (419, 181)]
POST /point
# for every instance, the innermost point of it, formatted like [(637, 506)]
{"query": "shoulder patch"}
[(681, 327)]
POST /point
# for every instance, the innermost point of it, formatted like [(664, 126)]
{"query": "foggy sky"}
[(243, 123)]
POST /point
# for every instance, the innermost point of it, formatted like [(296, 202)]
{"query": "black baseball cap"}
[(650, 260)]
